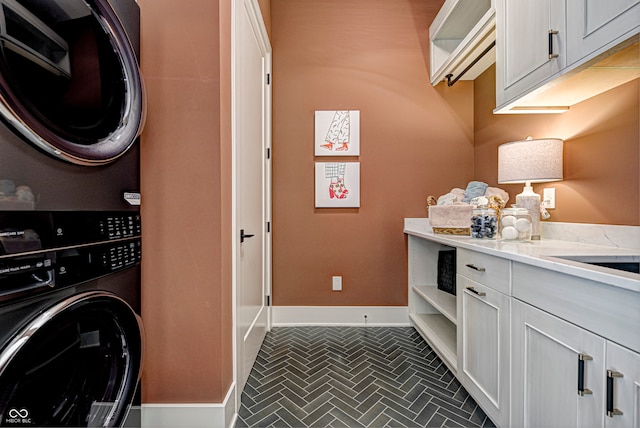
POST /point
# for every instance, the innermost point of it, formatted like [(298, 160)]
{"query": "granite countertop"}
[(543, 253)]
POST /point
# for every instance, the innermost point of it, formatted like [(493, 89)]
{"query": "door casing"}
[(249, 9)]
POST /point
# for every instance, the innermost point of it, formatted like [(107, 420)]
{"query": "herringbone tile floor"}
[(353, 377)]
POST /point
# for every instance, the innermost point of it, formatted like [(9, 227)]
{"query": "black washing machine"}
[(72, 107), (71, 339)]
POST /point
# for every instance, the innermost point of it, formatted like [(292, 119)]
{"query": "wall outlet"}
[(549, 198), (336, 283)]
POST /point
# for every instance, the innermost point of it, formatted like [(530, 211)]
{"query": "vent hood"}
[(462, 37)]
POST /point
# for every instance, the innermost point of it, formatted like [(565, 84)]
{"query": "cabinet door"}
[(557, 371), (596, 25), (623, 387), (483, 347), (522, 45)]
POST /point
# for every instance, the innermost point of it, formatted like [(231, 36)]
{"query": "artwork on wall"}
[(337, 133), (337, 184)]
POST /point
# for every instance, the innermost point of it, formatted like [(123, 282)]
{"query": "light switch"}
[(549, 198), (336, 282)]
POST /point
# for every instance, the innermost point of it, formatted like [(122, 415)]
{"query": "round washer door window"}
[(69, 78), (76, 364)]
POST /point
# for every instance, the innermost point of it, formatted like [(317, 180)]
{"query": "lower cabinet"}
[(565, 376), (557, 366), (483, 347), (623, 387)]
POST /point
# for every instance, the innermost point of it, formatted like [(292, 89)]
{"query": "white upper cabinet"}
[(531, 45), (551, 54), (461, 32), (596, 25)]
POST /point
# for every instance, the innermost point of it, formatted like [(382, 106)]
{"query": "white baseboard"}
[(191, 415), (376, 316)]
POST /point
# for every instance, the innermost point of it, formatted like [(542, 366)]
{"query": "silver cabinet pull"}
[(479, 269), (581, 389), (551, 34), (611, 410), (477, 293)]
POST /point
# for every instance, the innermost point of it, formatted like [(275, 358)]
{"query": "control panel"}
[(40, 251), (28, 231)]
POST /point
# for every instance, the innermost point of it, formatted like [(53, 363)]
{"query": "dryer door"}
[(76, 364), (69, 77)]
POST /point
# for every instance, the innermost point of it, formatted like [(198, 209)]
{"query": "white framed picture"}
[(337, 184), (337, 133)]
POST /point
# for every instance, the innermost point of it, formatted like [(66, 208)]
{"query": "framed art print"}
[(337, 184), (337, 133)]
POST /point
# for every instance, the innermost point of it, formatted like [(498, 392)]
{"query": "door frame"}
[(262, 38)]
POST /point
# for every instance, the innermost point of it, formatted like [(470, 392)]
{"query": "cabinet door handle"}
[(611, 410), (551, 34), (581, 389), (479, 269), (477, 293)]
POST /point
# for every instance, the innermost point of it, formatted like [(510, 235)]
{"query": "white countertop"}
[(540, 253)]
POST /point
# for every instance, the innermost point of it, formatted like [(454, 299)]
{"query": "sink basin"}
[(623, 263)]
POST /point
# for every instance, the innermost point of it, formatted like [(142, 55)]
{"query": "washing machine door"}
[(76, 364), (69, 77)]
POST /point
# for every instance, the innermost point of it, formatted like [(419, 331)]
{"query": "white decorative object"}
[(480, 201), (509, 232), (337, 133), (508, 220), (530, 161), (523, 224)]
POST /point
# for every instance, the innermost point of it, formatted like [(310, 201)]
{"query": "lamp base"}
[(530, 200)]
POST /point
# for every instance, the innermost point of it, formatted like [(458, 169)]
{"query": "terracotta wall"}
[(601, 152), (372, 56), (186, 201)]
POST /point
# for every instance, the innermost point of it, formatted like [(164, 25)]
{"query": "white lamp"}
[(530, 161)]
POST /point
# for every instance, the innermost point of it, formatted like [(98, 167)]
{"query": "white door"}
[(251, 129)]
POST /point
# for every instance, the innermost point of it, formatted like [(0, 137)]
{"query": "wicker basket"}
[(451, 219)]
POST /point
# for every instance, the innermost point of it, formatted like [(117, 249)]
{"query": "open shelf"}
[(440, 334), (461, 31), (443, 302), (432, 311)]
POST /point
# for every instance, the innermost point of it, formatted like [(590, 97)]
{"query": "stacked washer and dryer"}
[(71, 108)]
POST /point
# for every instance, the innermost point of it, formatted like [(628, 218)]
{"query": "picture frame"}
[(337, 184), (337, 133)]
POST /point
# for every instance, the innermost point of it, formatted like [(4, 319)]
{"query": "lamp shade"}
[(530, 161)]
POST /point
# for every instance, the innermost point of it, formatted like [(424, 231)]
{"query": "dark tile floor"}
[(353, 377)]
